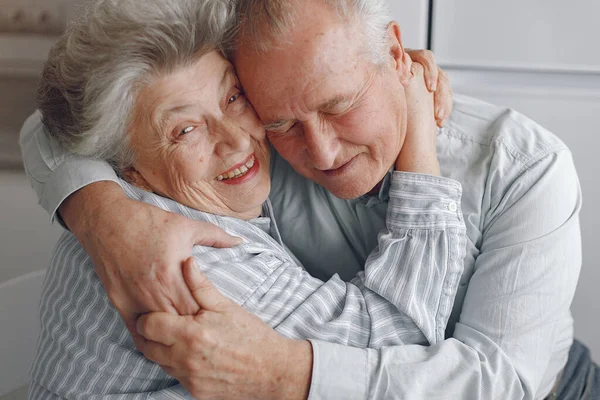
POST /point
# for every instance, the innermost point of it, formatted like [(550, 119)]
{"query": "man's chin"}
[(347, 191)]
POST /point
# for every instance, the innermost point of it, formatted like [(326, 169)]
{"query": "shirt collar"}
[(383, 196)]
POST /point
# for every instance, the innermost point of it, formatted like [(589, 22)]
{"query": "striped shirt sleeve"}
[(85, 351)]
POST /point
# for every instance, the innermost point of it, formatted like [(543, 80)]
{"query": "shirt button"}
[(453, 207)]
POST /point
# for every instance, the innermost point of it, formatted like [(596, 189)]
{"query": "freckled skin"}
[(181, 153), (317, 60)]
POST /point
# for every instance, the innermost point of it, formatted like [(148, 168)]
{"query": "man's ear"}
[(400, 59), (134, 177)]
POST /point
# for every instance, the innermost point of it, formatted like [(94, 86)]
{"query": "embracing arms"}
[(139, 275)]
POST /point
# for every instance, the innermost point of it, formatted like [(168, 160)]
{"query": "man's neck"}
[(377, 188)]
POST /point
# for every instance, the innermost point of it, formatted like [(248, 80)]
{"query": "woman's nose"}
[(231, 138)]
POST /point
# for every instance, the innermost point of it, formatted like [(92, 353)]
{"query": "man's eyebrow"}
[(275, 125), (324, 106), (331, 103)]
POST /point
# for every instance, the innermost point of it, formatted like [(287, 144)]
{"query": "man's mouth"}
[(341, 169), (239, 170)]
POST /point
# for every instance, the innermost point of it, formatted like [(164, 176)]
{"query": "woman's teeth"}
[(236, 173)]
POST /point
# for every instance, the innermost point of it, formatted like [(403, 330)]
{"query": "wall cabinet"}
[(524, 34)]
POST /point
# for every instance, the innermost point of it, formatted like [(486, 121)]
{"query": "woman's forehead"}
[(186, 88)]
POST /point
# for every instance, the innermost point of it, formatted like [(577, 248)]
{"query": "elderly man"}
[(326, 78)]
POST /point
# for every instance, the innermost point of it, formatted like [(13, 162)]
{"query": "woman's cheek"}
[(251, 124)]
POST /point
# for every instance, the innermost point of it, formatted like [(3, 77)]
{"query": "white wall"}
[(26, 236), (412, 16)]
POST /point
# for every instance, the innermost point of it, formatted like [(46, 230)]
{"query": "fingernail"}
[(238, 240), (441, 113), (433, 85)]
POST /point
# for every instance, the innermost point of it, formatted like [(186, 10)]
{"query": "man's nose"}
[(321, 145)]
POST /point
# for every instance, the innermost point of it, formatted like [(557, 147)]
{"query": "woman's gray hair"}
[(261, 23), (89, 83)]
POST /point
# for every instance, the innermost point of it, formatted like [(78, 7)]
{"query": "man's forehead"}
[(298, 65), (315, 31), (267, 24)]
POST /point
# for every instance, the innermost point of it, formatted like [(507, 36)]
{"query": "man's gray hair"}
[(261, 23), (90, 81)]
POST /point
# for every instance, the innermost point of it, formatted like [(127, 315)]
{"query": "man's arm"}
[(53, 173), (524, 281)]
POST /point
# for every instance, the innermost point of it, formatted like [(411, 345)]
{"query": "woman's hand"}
[(224, 351), (138, 249), (437, 82), (418, 152)]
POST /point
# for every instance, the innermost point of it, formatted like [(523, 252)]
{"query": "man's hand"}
[(437, 82), (138, 249), (418, 152), (224, 351)]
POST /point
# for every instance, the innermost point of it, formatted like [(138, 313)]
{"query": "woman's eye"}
[(187, 130), (233, 98)]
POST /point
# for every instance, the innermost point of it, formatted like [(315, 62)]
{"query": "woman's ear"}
[(400, 59), (134, 177)]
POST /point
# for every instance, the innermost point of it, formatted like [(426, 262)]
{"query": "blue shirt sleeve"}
[(54, 173)]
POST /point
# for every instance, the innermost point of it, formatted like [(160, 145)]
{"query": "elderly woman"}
[(143, 85)]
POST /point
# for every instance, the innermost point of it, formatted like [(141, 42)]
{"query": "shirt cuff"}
[(339, 372), (419, 201), (71, 175)]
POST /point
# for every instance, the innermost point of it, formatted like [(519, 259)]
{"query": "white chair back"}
[(19, 329)]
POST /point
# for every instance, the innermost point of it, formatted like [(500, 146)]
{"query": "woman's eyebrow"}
[(229, 72), (276, 124)]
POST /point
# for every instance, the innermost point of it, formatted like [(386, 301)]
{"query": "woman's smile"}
[(242, 172)]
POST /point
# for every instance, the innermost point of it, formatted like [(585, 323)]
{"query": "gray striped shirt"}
[(85, 351)]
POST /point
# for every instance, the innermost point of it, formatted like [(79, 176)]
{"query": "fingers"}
[(181, 297), (159, 353), (431, 72), (130, 319), (211, 235), (207, 296), (162, 327), (443, 99), (417, 70)]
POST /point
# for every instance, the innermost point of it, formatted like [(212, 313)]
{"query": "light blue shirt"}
[(510, 330)]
